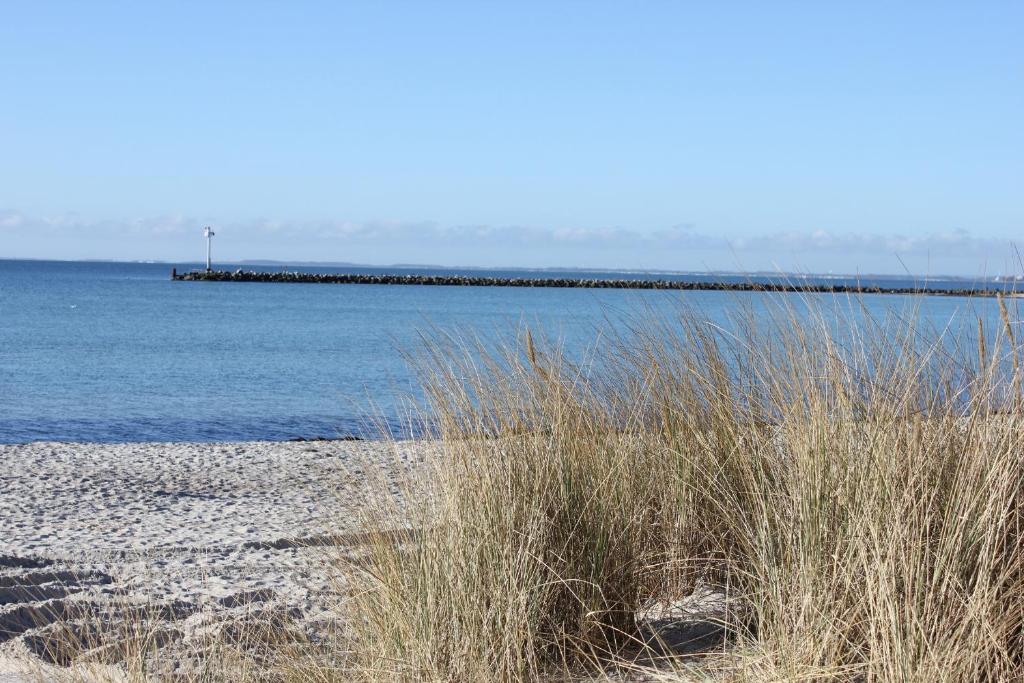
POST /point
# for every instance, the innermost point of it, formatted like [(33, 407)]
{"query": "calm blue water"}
[(118, 352)]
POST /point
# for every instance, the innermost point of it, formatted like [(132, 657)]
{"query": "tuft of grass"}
[(855, 489)]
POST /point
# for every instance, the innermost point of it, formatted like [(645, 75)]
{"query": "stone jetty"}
[(576, 283)]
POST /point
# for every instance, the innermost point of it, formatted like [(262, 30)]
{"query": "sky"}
[(847, 137)]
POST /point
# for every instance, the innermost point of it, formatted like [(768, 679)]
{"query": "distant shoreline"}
[(572, 283), (563, 270)]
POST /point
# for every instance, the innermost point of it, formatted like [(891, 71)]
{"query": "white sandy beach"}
[(203, 533)]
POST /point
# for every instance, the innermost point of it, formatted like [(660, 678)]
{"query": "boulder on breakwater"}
[(586, 283)]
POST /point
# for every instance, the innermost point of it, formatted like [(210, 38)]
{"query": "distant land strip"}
[(577, 283)]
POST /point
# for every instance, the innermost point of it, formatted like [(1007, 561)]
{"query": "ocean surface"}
[(118, 352)]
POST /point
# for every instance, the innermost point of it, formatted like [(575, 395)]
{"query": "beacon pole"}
[(208, 234)]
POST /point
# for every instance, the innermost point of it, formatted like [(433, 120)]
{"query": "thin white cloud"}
[(680, 237), (73, 225), (952, 243)]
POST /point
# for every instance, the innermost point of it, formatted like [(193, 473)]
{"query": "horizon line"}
[(571, 269)]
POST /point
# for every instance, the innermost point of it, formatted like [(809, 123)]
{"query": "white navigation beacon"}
[(208, 234)]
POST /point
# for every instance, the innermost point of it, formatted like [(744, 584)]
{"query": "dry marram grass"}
[(855, 491)]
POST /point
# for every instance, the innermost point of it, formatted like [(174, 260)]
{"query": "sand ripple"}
[(97, 539)]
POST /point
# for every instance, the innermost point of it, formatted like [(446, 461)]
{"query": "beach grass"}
[(851, 489)]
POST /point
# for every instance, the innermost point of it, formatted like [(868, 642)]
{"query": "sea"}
[(117, 352)]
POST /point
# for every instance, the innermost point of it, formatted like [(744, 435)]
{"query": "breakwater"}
[(577, 283)]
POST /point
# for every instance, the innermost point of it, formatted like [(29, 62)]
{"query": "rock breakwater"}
[(576, 283)]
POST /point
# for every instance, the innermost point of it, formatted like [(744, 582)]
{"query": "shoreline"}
[(299, 440)]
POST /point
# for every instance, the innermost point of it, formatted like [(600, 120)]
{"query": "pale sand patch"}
[(193, 532)]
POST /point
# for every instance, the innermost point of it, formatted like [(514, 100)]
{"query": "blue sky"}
[(851, 137)]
